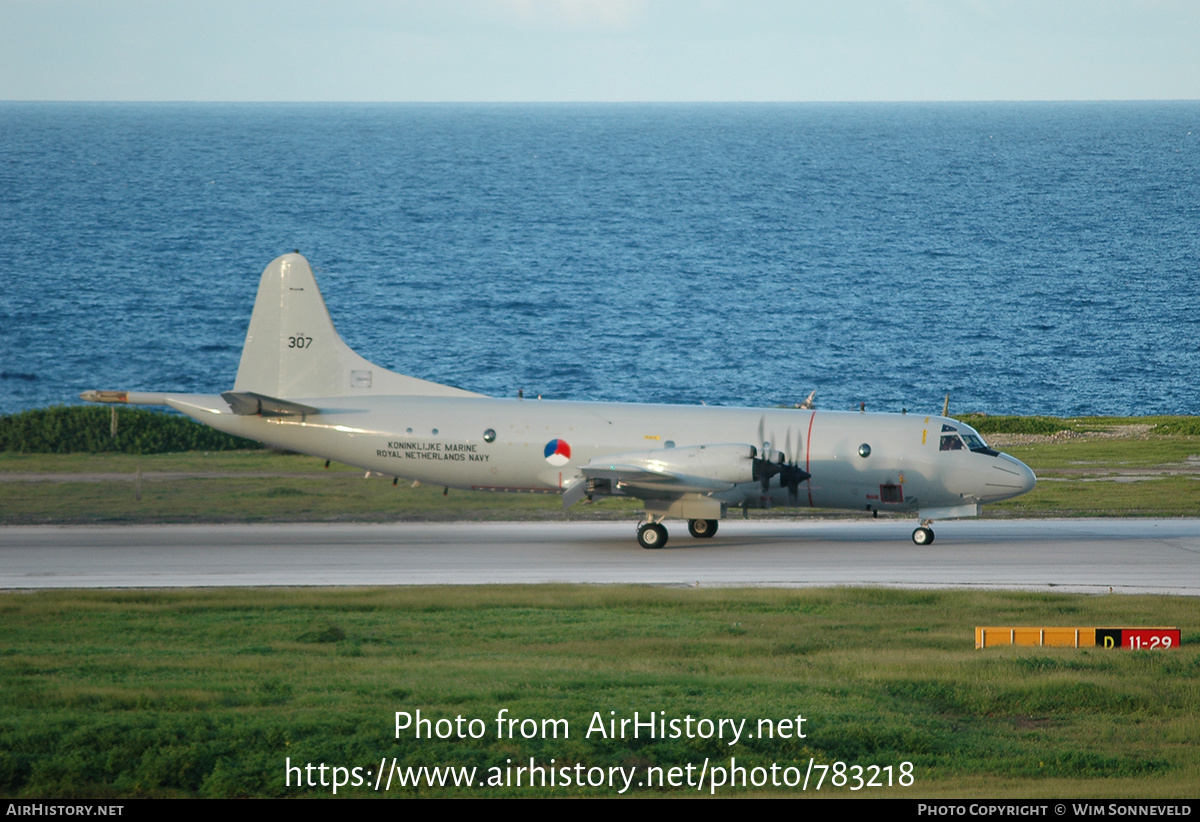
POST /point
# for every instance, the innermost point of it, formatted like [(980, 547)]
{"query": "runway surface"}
[(1134, 556)]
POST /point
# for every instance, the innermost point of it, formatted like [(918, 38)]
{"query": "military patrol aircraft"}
[(300, 387)]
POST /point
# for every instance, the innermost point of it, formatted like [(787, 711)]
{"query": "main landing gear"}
[(654, 535), (924, 534)]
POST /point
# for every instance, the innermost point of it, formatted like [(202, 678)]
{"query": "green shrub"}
[(75, 429), (1014, 425), (1183, 426)]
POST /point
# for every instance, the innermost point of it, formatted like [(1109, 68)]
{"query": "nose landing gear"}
[(924, 534)]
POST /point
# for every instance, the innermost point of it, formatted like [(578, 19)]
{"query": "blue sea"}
[(1025, 258)]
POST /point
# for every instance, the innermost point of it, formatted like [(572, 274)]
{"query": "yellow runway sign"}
[(1135, 639)]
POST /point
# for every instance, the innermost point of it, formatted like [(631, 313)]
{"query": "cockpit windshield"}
[(952, 440), (974, 442)]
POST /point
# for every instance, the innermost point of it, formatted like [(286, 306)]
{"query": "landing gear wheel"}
[(702, 528), (652, 535), (923, 536)]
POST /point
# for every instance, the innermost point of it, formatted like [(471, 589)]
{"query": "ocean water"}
[(1023, 257)]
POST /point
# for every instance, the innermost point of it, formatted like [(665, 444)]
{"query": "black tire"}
[(652, 536), (923, 536), (702, 528)]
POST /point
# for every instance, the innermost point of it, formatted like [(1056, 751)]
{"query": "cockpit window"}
[(973, 441), (951, 442), (954, 441)]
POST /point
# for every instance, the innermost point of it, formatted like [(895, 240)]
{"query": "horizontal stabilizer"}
[(200, 407), (249, 404)]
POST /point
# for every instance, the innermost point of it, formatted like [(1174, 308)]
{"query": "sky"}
[(599, 50)]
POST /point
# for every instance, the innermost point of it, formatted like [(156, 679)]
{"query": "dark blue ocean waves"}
[(1025, 258)]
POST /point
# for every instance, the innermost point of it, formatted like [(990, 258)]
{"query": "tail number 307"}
[(299, 341)]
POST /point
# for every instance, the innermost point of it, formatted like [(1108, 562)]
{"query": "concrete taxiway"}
[(1132, 556)]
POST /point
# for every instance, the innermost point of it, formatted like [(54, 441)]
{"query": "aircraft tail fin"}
[(293, 351)]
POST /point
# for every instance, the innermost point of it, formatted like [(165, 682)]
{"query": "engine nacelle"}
[(713, 466)]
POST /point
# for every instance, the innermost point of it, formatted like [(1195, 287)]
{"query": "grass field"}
[(208, 693)]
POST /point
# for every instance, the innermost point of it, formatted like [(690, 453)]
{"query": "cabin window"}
[(864, 450), (489, 435)]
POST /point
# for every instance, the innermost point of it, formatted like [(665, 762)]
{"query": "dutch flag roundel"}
[(558, 453)]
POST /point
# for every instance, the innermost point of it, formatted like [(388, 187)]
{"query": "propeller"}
[(763, 466), (784, 464), (790, 473)]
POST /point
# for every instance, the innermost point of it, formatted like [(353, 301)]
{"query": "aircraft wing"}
[(665, 473)]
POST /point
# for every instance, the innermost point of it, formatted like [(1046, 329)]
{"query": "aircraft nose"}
[(1027, 478), (1009, 478), (1030, 478)]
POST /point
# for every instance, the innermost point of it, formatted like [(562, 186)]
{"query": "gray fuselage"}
[(911, 462)]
